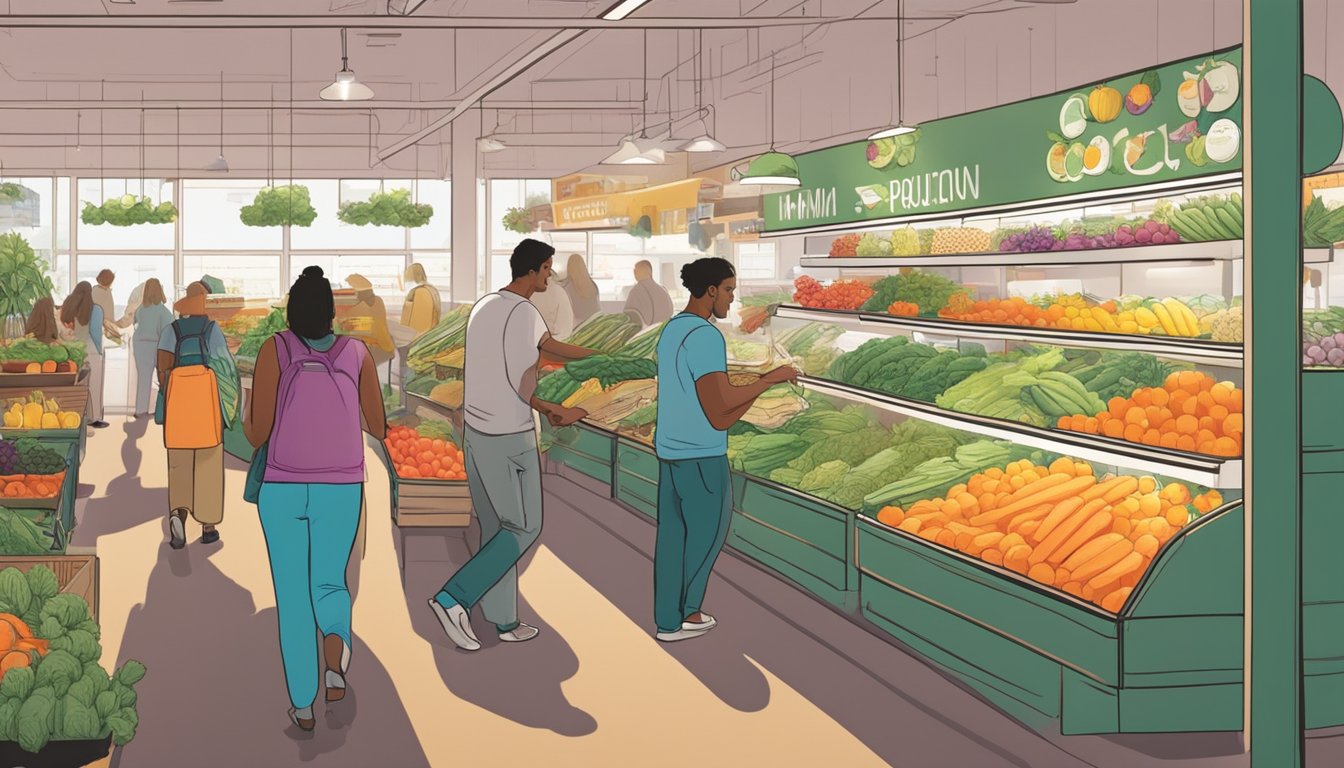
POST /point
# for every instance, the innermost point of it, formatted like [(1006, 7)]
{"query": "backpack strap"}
[(199, 335)]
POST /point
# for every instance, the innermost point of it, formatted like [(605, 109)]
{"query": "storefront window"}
[(130, 271), (62, 221), (439, 270), (137, 237), (615, 254), (506, 194), (210, 217), (438, 233), (254, 276)]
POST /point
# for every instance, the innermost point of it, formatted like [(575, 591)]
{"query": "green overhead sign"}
[(1171, 123)]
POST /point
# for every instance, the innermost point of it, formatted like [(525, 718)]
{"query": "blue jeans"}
[(695, 505), (310, 532)]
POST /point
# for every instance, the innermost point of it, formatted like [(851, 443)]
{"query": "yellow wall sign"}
[(624, 209)]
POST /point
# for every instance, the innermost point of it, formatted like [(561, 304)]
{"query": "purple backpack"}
[(317, 437)]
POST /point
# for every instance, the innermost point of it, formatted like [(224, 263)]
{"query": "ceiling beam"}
[(158, 21), (357, 106), (498, 80)]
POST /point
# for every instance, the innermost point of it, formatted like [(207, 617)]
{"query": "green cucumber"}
[(1230, 222)]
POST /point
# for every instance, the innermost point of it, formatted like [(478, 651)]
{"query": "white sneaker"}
[(701, 626), (457, 625), (519, 634), (680, 634)]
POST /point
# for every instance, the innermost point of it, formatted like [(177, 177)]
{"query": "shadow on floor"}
[(770, 626), (1179, 746), (518, 681), (127, 503), (215, 693)]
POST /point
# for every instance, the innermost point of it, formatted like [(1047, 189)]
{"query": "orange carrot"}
[(1066, 529), (1059, 514), (1092, 527), (1129, 563), (1109, 556), (1091, 549), (1070, 488)]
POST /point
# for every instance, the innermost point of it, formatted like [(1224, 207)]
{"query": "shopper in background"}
[(42, 324), (102, 294), (556, 310), (505, 334), (85, 318), (193, 435), (152, 318), (423, 307), (648, 303), (696, 406), (582, 291), (309, 392), (368, 305)]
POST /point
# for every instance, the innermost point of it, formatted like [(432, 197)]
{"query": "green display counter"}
[(583, 448), (636, 477), (1322, 529)]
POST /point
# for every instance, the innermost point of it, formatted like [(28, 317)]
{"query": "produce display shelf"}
[(1170, 660), (446, 411), (1201, 351), (418, 503), (1214, 250), (1211, 471)]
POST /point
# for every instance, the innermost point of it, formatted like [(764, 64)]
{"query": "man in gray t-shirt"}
[(505, 336)]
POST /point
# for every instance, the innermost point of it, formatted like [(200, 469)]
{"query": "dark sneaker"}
[(100, 424), (210, 536)]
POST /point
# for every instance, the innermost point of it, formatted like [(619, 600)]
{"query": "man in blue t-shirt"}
[(696, 406)]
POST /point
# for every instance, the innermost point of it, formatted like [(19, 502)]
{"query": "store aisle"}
[(783, 680)]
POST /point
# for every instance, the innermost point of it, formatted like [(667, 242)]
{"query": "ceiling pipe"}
[(241, 21), (362, 107)]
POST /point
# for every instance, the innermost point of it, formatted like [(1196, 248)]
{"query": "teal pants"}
[(310, 532), (504, 477), (695, 505)]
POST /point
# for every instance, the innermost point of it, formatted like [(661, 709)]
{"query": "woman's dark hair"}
[(529, 256), (702, 273), (311, 307)]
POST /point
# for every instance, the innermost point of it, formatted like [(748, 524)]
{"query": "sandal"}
[(304, 724), (337, 656)]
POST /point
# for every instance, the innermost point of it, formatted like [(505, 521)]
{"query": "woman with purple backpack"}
[(310, 391)]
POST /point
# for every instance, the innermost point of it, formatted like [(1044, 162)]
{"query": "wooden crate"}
[(431, 504), (76, 573)]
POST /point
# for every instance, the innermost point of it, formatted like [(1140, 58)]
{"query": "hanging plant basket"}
[(643, 228), (386, 209), (128, 210), (518, 220), (10, 193), (287, 206)]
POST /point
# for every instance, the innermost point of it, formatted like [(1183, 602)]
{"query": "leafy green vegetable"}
[(23, 276), (128, 210), (34, 719), (274, 323), (15, 595), (928, 290), (386, 209), (280, 207)]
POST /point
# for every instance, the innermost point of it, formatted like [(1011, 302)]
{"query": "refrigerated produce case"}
[(1166, 654)]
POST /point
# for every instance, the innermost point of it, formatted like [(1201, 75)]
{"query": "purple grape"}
[(1339, 339), (1306, 360), (1335, 356), (1316, 353), (1328, 343)]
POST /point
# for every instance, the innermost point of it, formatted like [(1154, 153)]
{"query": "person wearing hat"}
[(423, 306), (196, 475), (368, 304)]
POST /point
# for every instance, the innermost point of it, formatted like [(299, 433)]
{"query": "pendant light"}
[(773, 169), (79, 120), (705, 142), (641, 150), (487, 143), (220, 164), (346, 87), (900, 129)]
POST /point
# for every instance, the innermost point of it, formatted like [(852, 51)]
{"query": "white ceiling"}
[(833, 81)]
